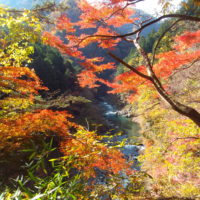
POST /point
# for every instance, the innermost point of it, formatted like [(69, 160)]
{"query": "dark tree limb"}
[(161, 37), (128, 66), (179, 16)]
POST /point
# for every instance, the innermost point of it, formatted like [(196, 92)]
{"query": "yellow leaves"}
[(171, 153), (189, 190), (11, 103), (17, 33)]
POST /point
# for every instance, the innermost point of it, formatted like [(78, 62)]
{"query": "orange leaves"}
[(64, 23), (89, 15), (121, 17), (120, 21), (172, 60), (128, 82), (23, 123), (102, 17), (88, 78), (91, 64), (90, 153), (16, 119), (21, 79), (105, 12), (27, 125), (54, 41), (188, 39), (105, 42)]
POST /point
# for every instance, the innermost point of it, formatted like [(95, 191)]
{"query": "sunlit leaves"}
[(171, 149), (172, 60), (96, 64), (22, 80), (87, 78), (18, 31), (64, 23), (102, 17), (89, 152), (23, 126), (56, 42), (188, 39)]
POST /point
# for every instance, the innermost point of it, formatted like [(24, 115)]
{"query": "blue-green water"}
[(121, 123)]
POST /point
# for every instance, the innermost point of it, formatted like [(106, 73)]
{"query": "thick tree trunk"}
[(192, 114)]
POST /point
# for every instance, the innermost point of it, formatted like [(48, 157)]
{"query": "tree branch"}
[(182, 17), (129, 67), (161, 37)]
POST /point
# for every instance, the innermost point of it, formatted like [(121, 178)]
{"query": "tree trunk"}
[(184, 110), (187, 111)]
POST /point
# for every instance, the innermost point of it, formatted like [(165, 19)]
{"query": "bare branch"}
[(182, 17), (161, 37), (129, 67), (184, 68)]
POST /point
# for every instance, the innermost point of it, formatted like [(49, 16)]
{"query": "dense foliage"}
[(25, 123), (46, 154)]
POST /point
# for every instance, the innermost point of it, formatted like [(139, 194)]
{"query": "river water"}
[(129, 129), (129, 132)]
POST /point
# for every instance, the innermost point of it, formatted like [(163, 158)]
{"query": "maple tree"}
[(20, 118), (107, 15)]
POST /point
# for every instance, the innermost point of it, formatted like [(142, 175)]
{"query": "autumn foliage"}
[(21, 120), (171, 145)]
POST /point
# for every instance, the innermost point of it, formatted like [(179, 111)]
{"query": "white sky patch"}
[(149, 6), (152, 6)]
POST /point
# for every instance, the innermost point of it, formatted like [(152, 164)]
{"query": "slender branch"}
[(184, 68), (129, 67), (182, 17), (175, 105), (161, 37), (186, 138)]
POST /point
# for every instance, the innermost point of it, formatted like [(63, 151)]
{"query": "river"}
[(129, 129)]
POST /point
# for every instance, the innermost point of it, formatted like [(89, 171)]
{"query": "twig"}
[(129, 67), (161, 37)]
